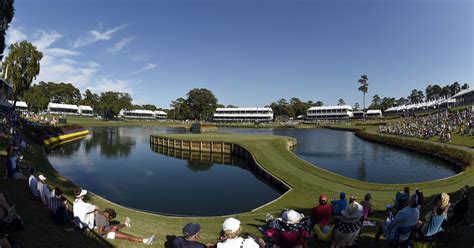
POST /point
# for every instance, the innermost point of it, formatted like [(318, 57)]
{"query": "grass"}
[(307, 181)]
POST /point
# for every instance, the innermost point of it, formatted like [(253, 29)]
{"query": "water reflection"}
[(113, 142), (344, 153), (134, 172)]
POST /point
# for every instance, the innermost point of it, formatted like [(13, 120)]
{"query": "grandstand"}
[(136, 114), (259, 114), (160, 114), (330, 112), (59, 108), (20, 106), (85, 110), (374, 113)]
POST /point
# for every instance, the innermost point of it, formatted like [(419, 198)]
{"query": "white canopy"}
[(62, 106)]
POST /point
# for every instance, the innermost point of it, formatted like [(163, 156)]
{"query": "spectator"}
[(460, 208), (102, 220), (407, 217), (320, 214), (33, 183), (340, 204), (348, 226), (190, 237), (59, 208), (440, 209), (231, 237), (368, 210), (83, 212), (13, 170), (289, 230), (43, 189), (401, 199)]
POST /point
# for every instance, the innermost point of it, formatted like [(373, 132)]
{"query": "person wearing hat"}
[(320, 214), (102, 220), (348, 225), (43, 189), (340, 204), (83, 212), (190, 237), (290, 229), (231, 236)]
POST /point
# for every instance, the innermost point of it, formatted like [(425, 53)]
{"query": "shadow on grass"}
[(39, 229)]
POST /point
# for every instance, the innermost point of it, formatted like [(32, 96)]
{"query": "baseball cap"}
[(190, 229), (231, 224)]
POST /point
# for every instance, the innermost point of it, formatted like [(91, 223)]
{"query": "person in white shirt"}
[(33, 183), (84, 213), (231, 239), (44, 192)]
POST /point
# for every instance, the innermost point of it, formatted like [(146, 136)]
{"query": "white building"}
[(374, 113), (160, 114), (137, 114), (243, 114), (59, 108), (20, 106), (85, 110), (330, 112)]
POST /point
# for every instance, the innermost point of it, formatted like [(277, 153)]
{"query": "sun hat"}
[(353, 211), (41, 177), (231, 224), (191, 229), (291, 216), (82, 193), (444, 200)]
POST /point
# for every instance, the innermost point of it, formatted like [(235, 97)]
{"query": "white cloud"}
[(58, 64), (139, 57), (149, 66), (107, 84), (14, 34), (120, 45), (96, 35)]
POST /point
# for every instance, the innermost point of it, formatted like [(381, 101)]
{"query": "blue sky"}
[(250, 53)]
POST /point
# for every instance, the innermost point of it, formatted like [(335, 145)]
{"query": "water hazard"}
[(120, 164), (344, 153)]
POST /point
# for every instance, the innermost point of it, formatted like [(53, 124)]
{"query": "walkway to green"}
[(307, 181)]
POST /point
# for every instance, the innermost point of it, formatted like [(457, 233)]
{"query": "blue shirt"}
[(405, 218), (11, 167), (339, 205)]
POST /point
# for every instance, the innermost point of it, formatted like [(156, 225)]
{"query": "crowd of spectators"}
[(440, 124)]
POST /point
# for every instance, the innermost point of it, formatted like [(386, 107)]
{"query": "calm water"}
[(119, 164), (345, 154)]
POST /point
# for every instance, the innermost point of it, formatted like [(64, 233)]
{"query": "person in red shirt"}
[(320, 214)]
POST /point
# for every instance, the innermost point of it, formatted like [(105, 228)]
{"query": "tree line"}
[(431, 93)]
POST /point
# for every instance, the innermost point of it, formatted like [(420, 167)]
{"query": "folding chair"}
[(403, 237)]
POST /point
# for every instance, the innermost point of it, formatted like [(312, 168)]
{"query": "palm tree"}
[(364, 87)]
